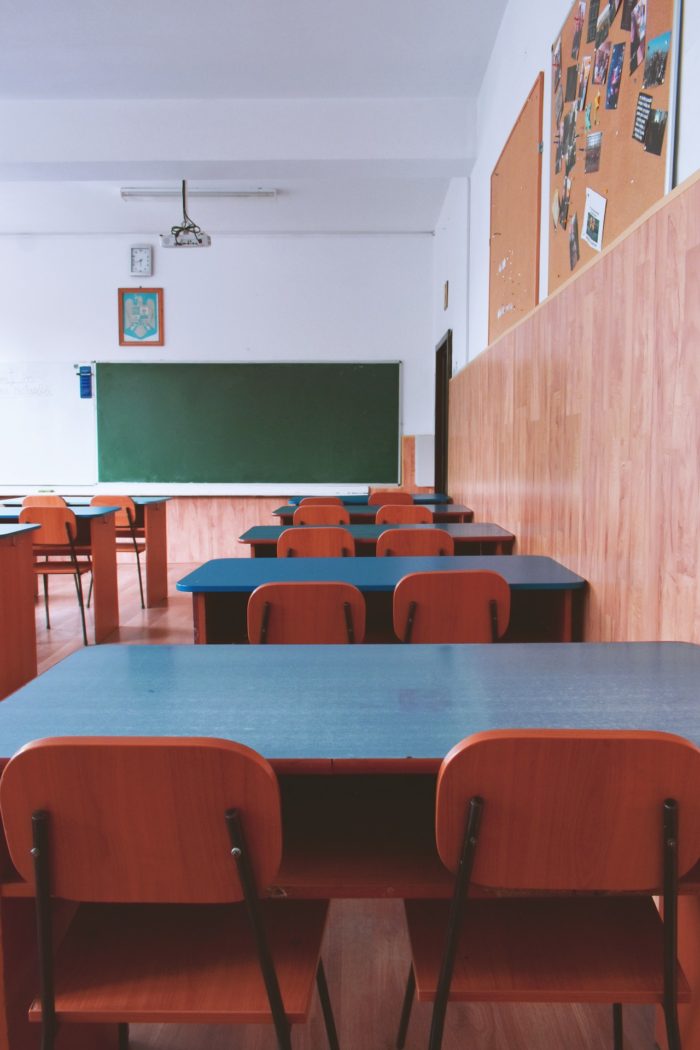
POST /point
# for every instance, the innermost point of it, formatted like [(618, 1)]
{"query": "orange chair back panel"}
[(330, 541), (321, 501), (394, 496), (451, 606), (570, 810), (53, 521), (44, 501), (321, 514), (407, 542), (142, 819), (306, 613), (125, 503), (401, 514)]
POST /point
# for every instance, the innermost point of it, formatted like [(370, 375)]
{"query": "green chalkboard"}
[(293, 423)]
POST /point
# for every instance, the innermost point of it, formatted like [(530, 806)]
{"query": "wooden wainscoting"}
[(579, 430)]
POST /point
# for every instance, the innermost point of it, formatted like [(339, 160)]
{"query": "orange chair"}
[(44, 501), (400, 542), (582, 826), (461, 606), (129, 539), (56, 551), (324, 514), (401, 514), (321, 501), (163, 855), (330, 541), (388, 496), (306, 613)]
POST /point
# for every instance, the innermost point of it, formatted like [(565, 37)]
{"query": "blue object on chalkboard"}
[(85, 373)]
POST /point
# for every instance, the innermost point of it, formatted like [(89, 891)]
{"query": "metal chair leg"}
[(46, 601), (138, 569), (617, 1026), (406, 1009), (326, 1007)]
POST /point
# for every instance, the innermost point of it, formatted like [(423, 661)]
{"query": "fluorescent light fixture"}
[(144, 193)]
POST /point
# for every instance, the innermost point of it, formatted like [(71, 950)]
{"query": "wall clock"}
[(141, 260)]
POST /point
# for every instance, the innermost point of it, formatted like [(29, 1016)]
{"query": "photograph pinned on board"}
[(558, 106), (583, 75), (587, 116), (559, 148), (656, 126), (579, 18), (593, 11), (568, 147), (555, 209), (574, 250), (641, 117), (602, 63), (626, 20), (602, 25), (556, 65), (657, 57), (594, 219), (564, 202), (571, 84), (614, 6), (594, 143), (638, 34), (615, 78)]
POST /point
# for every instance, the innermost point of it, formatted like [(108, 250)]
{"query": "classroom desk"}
[(543, 592), (469, 537), (356, 735), (96, 530), (17, 627), (361, 514), (363, 497), (151, 517)]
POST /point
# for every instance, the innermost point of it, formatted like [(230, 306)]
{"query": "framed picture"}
[(141, 317)]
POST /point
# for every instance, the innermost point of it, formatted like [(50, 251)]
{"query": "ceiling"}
[(370, 53)]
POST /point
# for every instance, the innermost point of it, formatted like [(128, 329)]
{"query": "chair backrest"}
[(323, 514), (326, 541), (321, 501), (44, 501), (126, 507), (459, 606), (569, 810), (415, 541), (306, 613), (401, 514), (56, 525), (394, 496), (142, 819)]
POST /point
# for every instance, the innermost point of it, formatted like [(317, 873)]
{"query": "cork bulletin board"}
[(514, 245), (612, 123)]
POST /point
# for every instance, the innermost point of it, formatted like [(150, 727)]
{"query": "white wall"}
[(450, 264), (265, 298), (522, 49)]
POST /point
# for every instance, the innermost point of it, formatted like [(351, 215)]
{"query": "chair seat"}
[(151, 963), (125, 546), (58, 568), (586, 949)]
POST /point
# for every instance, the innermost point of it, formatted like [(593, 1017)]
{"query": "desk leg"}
[(199, 618), (17, 627), (156, 553), (105, 597)]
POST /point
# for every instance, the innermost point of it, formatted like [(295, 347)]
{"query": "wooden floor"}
[(366, 951)]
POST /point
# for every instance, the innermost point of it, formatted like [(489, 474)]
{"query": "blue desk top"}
[(84, 501), (363, 510), (356, 702), (523, 572), (360, 498), (370, 533), (14, 530), (8, 513)]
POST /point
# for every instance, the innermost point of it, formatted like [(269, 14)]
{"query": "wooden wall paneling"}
[(578, 430)]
